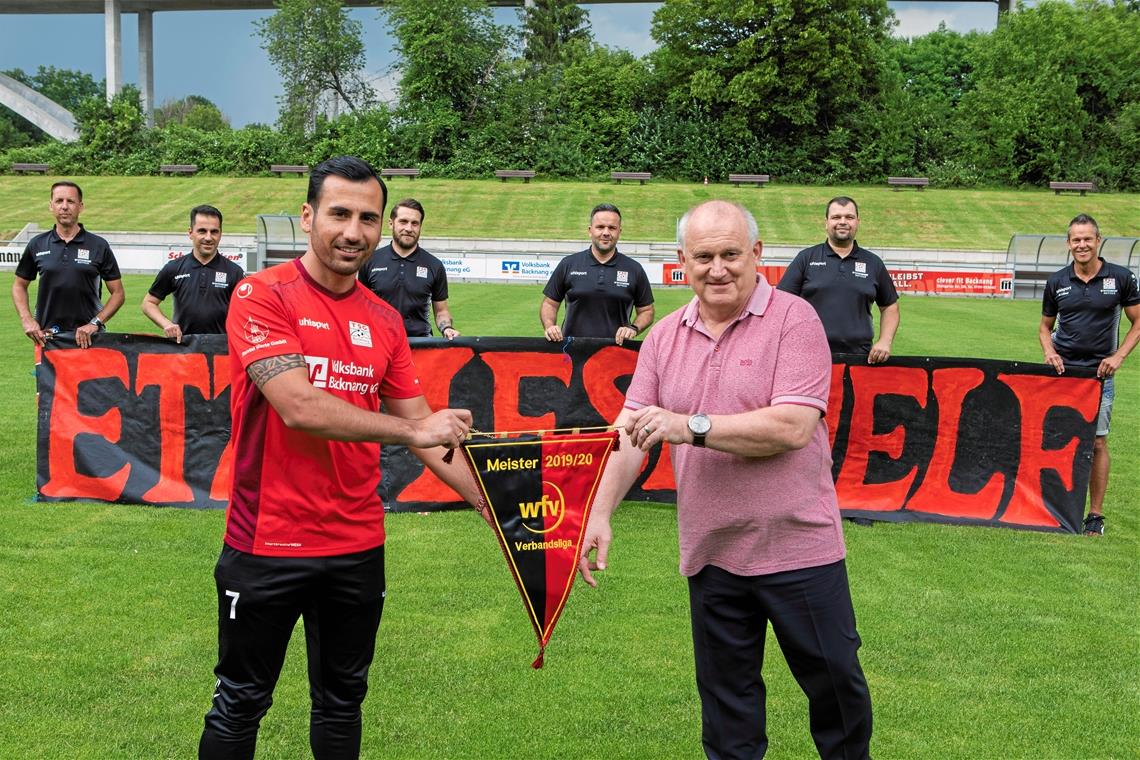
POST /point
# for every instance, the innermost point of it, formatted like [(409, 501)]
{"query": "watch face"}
[(700, 424)]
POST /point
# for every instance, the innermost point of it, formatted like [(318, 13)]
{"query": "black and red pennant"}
[(539, 489)]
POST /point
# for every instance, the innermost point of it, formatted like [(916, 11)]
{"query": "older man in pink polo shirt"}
[(737, 382)]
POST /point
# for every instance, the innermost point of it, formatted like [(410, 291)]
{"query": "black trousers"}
[(814, 623), (259, 600)]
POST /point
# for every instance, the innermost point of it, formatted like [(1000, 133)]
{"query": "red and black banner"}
[(139, 419), (540, 490), (963, 441), (135, 419)]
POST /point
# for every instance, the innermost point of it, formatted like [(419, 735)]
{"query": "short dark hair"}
[(346, 167), (1082, 219), (611, 208), (204, 210), (842, 200), (411, 203), (68, 183)]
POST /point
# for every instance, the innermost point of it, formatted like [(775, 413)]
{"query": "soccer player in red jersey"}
[(313, 353)]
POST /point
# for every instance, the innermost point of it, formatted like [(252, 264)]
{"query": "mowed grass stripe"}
[(788, 214)]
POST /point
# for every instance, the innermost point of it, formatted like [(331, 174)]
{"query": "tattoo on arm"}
[(261, 372)]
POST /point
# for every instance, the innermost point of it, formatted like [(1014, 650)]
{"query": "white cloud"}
[(919, 18), (624, 26)]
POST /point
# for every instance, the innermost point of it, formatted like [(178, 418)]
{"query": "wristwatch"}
[(97, 322), (699, 426)]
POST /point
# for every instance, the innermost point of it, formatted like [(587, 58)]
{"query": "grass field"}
[(978, 642), (789, 214)]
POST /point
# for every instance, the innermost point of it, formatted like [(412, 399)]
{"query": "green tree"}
[(796, 73), (113, 136), (449, 54), (66, 87), (206, 117), (927, 77), (1056, 88), (553, 31), (598, 98), (318, 51), (192, 110)]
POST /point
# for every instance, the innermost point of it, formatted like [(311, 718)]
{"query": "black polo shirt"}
[(842, 290), (409, 284), (71, 277), (599, 297), (201, 291), (1088, 313)]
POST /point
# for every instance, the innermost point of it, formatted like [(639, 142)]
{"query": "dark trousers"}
[(814, 623), (259, 600)]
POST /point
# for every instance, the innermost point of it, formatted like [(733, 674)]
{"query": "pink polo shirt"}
[(746, 515)]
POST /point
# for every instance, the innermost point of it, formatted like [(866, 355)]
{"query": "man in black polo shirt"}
[(1080, 325), (601, 287), (408, 277), (202, 283), (72, 265), (841, 280)]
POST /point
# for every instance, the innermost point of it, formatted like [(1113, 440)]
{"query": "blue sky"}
[(217, 55)]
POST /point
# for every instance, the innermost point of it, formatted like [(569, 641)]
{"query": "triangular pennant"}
[(539, 489)]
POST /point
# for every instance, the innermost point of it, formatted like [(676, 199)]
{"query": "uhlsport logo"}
[(245, 289), (316, 325), (543, 508)]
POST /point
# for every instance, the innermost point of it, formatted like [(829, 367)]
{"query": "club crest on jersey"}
[(622, 276), (421, 272), (360, 334), (220, 277), (1108, 285), (83, 254), (861, 267), (255, 332)]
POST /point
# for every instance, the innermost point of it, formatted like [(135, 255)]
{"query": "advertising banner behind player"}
[(540, 489), (942, 282)]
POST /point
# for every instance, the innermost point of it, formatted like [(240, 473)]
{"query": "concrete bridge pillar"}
[(113, 43), (146, 64)]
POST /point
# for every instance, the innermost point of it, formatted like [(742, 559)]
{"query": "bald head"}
[(719, 246), (721, 214)]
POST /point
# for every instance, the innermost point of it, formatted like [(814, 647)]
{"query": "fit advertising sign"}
[(139, 419), (955, 282)]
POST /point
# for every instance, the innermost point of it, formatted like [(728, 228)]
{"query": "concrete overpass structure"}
[(46, 114), (112, 11)]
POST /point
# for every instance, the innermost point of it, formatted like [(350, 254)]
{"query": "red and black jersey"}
[(295, 494)]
